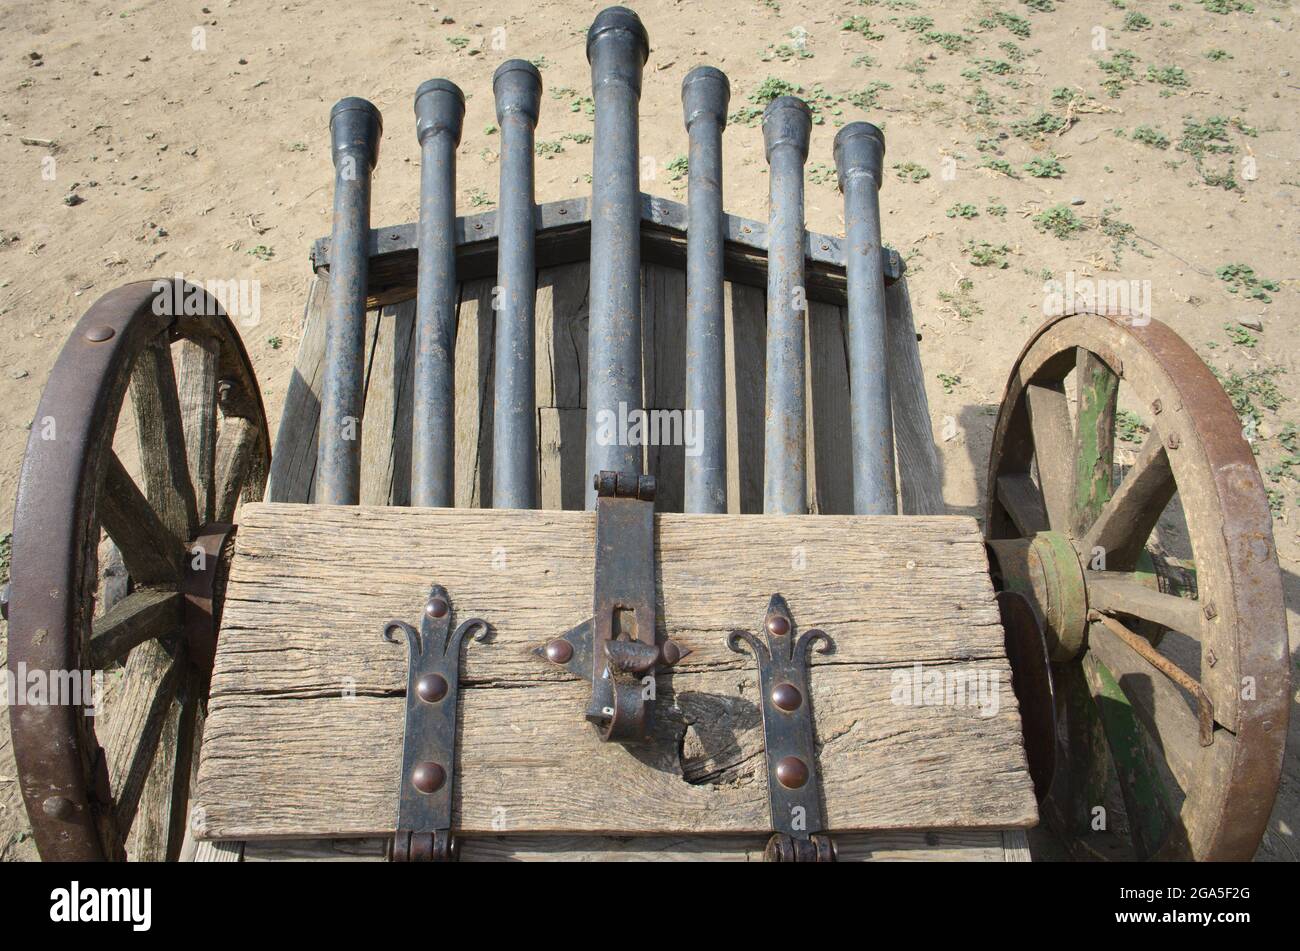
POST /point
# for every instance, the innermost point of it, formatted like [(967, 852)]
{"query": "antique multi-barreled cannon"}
[(673, 472)]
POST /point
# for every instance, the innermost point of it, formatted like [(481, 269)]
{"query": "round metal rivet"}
[(58, 807), (431, 687), (792, 772), (672, 653), (436, 607), (787, 697), (559, 651), (778, 625), (100, 334), (428, 777)]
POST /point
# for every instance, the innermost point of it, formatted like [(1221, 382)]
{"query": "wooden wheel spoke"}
[(197, 399), (1118, 592), (1145, 799), (139, 720), (1094, 439), (1084, 770), (237, 444), (143, 615), (1161, 707), (161, 434), (151, 552), (1023, 503), (1127, 520), (1049, 420)]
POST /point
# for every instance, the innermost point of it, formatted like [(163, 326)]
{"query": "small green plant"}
[(981, 101), (819, 173), (546, 148), (1217, 54), (1012, 51), (1168, 76), (1129, 427), (1241, 279), (1134, 21), (1044, 166), (478, 198), (1226, 6), (998, 165), (677, 168), (1042, 6), (297, 146), (952, 42), (911, 172), (458, 42), (1018, 25), (960, 302), (274, 342), (997, 211), (1151, 136), (262, 252), (1119, 71), (984, 254), (769, 89), (1240, 336), (962, 210), (918, 24), (579, 138), (861, 25), (1037, 126), (868, 98), (1059, 220), (490, 129), (948, 381)]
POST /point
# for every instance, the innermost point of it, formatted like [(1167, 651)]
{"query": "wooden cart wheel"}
[(90, 781), (1163, 752)]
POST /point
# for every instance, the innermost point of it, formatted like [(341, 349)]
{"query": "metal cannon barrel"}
[(517, 86), (787, 125), (859, 161), (705, 95), (355, 129), (440, 113), (617, 49)]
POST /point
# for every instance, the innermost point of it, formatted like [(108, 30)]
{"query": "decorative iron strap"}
[(429, 746), (616, 649), (789, 733)]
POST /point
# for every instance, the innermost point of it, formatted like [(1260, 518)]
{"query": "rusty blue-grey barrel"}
[(617, 49), (705, 96), (517, 86), (859, 162), (787, 125), (355, 130), (439, 116)]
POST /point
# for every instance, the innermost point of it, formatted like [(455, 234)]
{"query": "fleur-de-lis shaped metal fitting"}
[(429, 744), (794, 790)]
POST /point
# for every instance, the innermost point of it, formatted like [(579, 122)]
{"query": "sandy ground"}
[(194, 139)]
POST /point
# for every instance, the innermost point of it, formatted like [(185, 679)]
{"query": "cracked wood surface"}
[(305, 723)]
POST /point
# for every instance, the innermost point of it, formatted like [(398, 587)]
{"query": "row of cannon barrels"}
[(617, 49)]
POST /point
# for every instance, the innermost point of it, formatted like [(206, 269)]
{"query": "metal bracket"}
[(790, 736), (616, 649), (198, 585), (429, 745)]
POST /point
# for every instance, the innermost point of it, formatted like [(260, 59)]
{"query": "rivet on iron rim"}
[(792, 772), (1157, 407), (428, 777), (436, 608), (778, 625), (1173, 441), (1211, 658), (100, 334), (671, 652), (559, 651), (58, 807), (787, 697), (431, 687), (1210, 611)]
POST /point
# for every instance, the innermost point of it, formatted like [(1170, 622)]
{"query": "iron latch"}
[(616, 649), (790, 736), (429, 745)]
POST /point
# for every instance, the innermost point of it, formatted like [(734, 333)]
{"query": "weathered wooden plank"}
[(237, 458), (205, 851), (561, 335), (560, 433), (330, 692), (663, 347), (293, 461), (830, 464), (151, 552), (474, 339), (386, 438), (920, 479), (940, 846), (160, 432), (196, 383), (745, 316), (1015, 846)]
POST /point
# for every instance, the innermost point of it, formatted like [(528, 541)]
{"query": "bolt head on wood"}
[(428, 777), (437, 608), (671, 653), (431, 687), (100, 334), (559, 651), (778, 625), (792, 772), (787, 697)]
